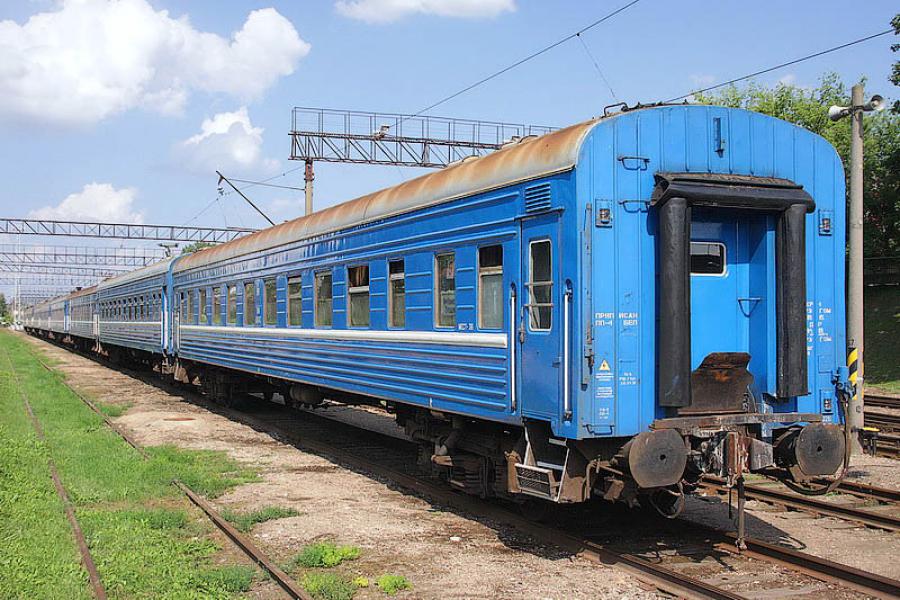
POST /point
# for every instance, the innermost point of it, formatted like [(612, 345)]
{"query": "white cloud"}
[(228, 142), (386, 11), (92, 59), (95, 202), (701, 81), (789, 79)]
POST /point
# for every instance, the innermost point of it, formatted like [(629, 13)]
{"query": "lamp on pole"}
[(858, 106)]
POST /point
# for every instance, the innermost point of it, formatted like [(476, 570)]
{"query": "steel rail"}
[(882, 401), (87, 560), (291, 587), (816, 567), (810, 504)]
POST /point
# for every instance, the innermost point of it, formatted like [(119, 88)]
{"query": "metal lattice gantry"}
[(97, 273), (41, 281), (321, 134), (128, 231), (79, 255)]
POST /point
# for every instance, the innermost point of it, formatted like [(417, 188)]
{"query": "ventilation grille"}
[(537, 198)]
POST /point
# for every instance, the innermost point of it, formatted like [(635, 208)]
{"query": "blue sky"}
[(109, 101)]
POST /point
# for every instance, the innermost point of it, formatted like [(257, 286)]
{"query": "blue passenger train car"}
[(611, 309)]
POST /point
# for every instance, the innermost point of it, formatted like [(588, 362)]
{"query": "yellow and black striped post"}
[(855, 415)]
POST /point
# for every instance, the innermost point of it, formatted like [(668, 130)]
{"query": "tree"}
[(4, 310), (191, 248), (895, 72), (881, 138)]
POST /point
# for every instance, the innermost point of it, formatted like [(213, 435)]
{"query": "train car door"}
[(731, 275), (540, 355)]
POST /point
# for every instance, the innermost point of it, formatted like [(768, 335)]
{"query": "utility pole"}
[(855, 265), (855, 324), (308, 177)]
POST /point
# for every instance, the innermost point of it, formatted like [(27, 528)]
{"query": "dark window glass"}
[(270, 305), (445, 276), (397, 293), (490, 287), (707, 258), (358, 280), (540, 286), (295, 300), (323, 295)]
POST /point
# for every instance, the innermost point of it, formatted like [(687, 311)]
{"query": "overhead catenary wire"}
[(781, 65), (522, 61)]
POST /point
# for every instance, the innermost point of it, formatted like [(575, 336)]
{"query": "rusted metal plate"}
[(720, 385)]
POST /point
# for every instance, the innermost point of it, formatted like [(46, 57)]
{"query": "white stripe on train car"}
[(449, 338)]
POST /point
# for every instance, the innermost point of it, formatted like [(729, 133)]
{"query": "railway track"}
[(888, 423), (882, 401), (243, 543), (860, 512), (391, 458)]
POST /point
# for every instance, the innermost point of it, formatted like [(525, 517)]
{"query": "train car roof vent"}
[(537, 198)]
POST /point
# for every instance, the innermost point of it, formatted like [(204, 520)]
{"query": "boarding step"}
[(536, 481)]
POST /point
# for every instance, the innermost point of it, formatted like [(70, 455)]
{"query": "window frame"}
[(358, 290), (532, 305), (231, 301), (437, 289), (253, 296), (273, 281), (724, 271), (296, 278), (391, 278), (202, 302), (489, 271), (216, 305), (316, 291)]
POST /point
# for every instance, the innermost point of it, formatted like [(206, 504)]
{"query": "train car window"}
[(270, 302), (323, 293), (217, 306), (397, 295), (202, 303), (231, 305), (249, 304), (540, 286), (490, 287), (445, 290), (358, 279), (191, 314), (295, 300), (707, 258)]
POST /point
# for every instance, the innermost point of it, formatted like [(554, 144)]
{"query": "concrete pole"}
[(308, 177), (855, 264)]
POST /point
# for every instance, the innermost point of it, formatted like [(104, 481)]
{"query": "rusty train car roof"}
[(156, 268), (525, 159)]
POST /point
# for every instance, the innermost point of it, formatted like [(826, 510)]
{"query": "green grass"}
[(140, 530), (112, 410), (244, 522), (325, 555), (882, 311), (391, 584), (328, 586)]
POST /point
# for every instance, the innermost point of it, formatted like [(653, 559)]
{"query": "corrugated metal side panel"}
[(141, 336), (455, 379)]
